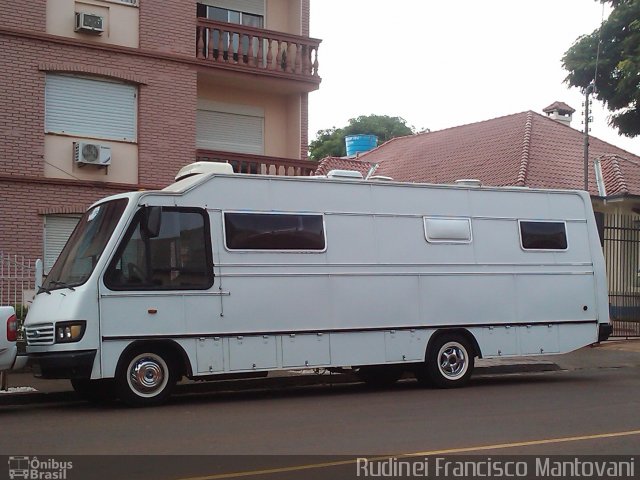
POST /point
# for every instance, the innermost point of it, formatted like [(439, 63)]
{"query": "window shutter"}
[(89, 107), (57, 230), (230, 132)]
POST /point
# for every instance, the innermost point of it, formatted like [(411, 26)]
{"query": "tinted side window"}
[(178, 258), (262, 231), (543, 235)]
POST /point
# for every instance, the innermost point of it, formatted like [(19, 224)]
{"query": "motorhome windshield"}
[(82, 252)]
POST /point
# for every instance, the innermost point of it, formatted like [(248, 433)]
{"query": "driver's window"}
[(179, 257)]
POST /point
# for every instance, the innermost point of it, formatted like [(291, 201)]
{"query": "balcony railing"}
[(277, 53), (259, 164)]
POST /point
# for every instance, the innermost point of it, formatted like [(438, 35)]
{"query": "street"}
[(589, 406)]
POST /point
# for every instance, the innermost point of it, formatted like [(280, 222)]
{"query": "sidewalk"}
[(24, 388)]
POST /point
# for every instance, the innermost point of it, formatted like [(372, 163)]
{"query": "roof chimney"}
[(560, 112)]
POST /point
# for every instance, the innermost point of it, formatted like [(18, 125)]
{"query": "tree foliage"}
[(618, 68), (330, 142)]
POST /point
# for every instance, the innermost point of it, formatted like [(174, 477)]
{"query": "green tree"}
[(618, 67), (330, 142)]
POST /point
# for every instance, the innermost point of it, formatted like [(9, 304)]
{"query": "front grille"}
[(40, 334)]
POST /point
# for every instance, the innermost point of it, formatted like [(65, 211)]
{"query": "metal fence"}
[(17, 279), (622, 256)]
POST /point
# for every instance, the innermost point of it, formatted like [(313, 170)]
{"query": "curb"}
[(280, 382)]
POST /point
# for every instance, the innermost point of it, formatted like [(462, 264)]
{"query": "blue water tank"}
[(360, 143)]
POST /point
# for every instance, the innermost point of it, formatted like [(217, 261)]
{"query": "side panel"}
[(257, 352), (364, 348), (307, 350), (539, 339), (210, 355), (497, 341), (555, 298), (405, 345)]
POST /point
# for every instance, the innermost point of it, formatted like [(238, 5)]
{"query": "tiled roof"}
[(337, 163), (526, 149), (621, 174)]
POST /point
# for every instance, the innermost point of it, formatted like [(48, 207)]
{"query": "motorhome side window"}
[(175, 257), (271, 231), (543, 235), (447, 230)]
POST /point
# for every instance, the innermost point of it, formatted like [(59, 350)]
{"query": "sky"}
[(440, 64)]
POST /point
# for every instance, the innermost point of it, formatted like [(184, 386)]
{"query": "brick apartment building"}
[(150, 85)]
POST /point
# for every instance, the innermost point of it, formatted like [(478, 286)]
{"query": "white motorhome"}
[(223, 274)]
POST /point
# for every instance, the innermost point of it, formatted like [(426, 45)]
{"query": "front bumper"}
[(76, 364), (604, 331)]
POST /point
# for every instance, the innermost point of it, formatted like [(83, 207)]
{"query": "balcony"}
[(255, 50), (259, 164)]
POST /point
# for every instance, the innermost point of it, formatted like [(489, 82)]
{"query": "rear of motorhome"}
[(222, 273)]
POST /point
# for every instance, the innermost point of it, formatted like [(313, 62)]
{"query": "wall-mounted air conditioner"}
[(89, 23), (85, 153)]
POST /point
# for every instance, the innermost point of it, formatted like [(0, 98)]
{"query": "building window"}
[(230, 128), (447, 230), (57, 230), (274, 231), (543, 235), (252, 18), (178, 258), (87, 107)]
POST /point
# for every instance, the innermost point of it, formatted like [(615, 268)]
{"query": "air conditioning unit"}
[(85, 153), (89, 23)]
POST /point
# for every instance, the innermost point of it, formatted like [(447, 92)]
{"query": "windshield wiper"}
[(63, 284), (43, 289)]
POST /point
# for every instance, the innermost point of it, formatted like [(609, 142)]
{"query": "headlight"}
[(67, 332)]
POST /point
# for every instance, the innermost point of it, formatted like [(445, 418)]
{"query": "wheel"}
[(146, 377), (449, 362), (379, 376), (95, 391)]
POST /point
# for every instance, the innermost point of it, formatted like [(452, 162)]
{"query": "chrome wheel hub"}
[(148, 374), (452, 360)]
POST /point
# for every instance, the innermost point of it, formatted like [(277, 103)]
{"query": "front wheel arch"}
[(171, 347)]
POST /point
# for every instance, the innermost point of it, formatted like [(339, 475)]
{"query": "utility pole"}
[(591, 88)]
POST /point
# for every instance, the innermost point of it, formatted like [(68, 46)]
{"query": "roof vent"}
[(201, 168), (468, 182), (345, 175), (380, 178)]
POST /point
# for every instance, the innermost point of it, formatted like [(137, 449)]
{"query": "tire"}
[(95, 391), (146, 377), (449, 362), (379, 376)]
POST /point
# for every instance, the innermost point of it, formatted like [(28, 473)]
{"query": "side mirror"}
[(151, 221)]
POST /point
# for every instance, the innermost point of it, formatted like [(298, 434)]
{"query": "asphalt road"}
[(590, 407)]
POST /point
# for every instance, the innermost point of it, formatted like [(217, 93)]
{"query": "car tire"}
[(146, 377), (449, 362)]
